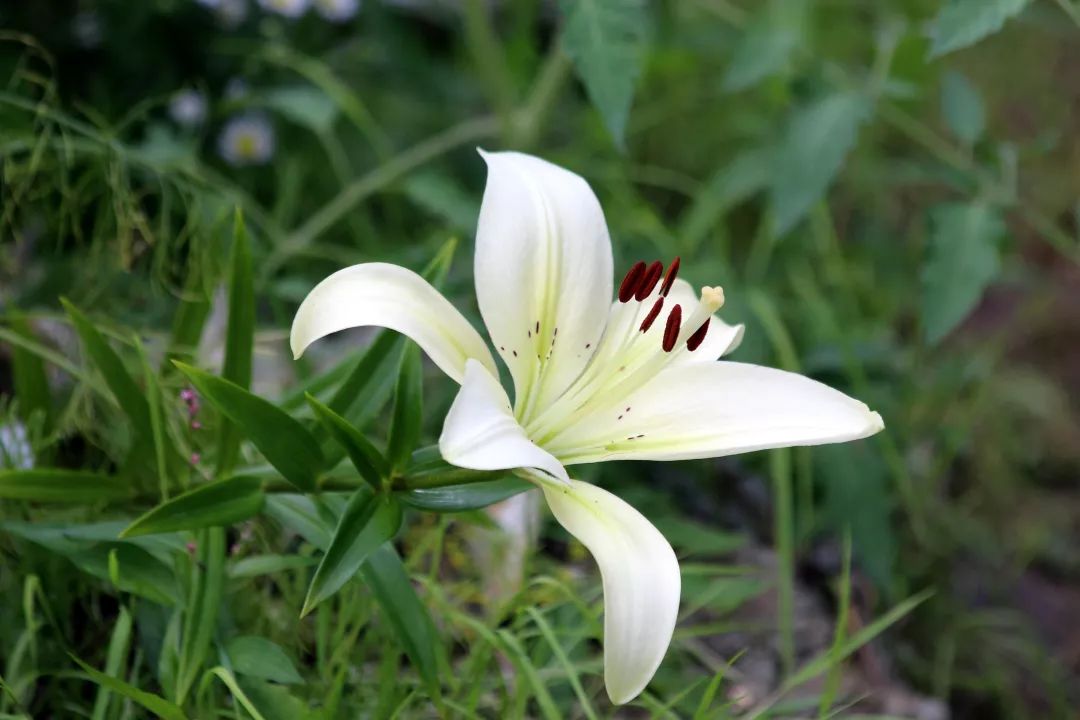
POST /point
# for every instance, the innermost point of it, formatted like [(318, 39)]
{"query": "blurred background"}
[(887, 191)]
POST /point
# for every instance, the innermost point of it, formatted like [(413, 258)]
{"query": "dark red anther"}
[(669, 279), (630, 283), (652, 276), (671, 330), (695, 340), (656, 308)]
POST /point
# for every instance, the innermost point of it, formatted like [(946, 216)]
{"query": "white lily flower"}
[(637, 378)]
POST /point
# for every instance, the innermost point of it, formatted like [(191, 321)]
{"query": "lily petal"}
[(393, 297), (641, 581), (543, 272), (480, 432), (721, 338), (713, 409)]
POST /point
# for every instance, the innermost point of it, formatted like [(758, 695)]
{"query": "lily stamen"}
[(632, 281), (653, 313), (695, 340), (671, 330), (669, 279), (648, 282)]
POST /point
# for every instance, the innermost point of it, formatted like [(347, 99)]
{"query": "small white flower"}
[(594, 380), (187, 108), (247, 140), (337, 10), (15, 450), (288, 8)]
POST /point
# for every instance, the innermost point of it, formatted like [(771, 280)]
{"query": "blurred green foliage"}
[(887, 192)]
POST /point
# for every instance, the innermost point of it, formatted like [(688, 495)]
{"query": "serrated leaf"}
[(462, 498), (811, 153), (216, 504), (365, 457), (283, 441), (766, 45), (56, 485), (606, 41), (369, 520), (855, 496), (962, 107), (962, 260), (154, 703), (239, 337), (961, 23), (261, 658)]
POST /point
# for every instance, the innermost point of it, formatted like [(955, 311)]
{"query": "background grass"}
[(886, 191)]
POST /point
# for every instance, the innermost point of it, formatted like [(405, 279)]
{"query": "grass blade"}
[(56, 485), (154, 703), (239, 339), (202, 609), (216, 504)]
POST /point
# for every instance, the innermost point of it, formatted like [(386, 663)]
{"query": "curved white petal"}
[(480, 432), (543, 273), (393, 297), (720, 339), (713, 409), (641, 581)]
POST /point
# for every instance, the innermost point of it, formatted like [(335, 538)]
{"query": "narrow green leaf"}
[(461, 498), (239, 337), (256, 565), (408, 409), (189, 319), (201, 612), (154, 703), (385, 575), (962, 260), (962, 107), (31, 382), (961, 23), (55, 485), (217, 504), (119, 644), (238, 694), (157, 422), (123, 387), (365, 457), (285, 443), (369, 521), (746, 174), (606, 39), (305, 105), (258, 657), (811, 153)]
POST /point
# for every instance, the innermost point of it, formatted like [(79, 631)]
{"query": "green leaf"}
[(216, 504), (369, 521), (31, 382), (123, 387), (189, 319), (385, 575), (442, 195), (365, 457), (816, 142), (55, 485), (962, 107), (154, 703), (119, 644), (305, 105), (230, 682), (461, 498), (961, 23), (275, 702), (606, 40), (408, 410), (285, 443), (767, 44), (748, 173), (239, 337), (962, 260), (201, 612), (299, 514), (855, 496), (258, 657), (256, 565)]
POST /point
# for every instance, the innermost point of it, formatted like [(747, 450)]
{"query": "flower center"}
[(635, 346)]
